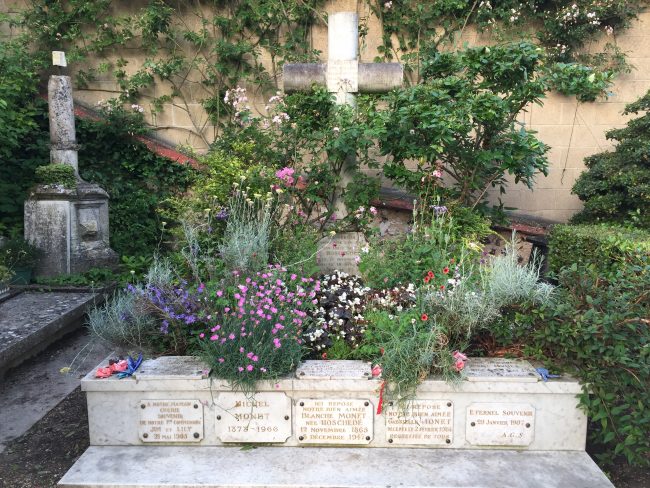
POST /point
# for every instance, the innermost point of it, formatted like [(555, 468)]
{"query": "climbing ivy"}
[(196, 50)]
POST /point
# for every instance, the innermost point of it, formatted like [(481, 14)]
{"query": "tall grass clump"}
[(245, 246), (123, 323)]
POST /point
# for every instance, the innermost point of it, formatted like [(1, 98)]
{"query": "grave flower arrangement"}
[(255, 329)]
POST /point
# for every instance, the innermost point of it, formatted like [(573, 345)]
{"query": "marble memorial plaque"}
[(334, 370), (429, 422), (497, 369), (339, 252), (264, 417), (334, 421), (170, 421), (500, 424)]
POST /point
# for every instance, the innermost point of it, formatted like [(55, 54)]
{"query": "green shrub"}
[(598, 328), (57, 174), (616, 185), (23, 130), (137, 180), (604, 246)]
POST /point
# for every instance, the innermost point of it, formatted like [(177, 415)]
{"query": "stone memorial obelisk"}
[(68, 225), (344, 76)]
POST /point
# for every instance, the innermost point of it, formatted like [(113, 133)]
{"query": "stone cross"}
[(343, 75)]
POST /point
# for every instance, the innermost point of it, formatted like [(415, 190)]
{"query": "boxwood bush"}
[(598, 329), (605, 246)]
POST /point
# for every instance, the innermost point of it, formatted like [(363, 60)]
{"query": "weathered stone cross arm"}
[(372, 77), (343, 75)]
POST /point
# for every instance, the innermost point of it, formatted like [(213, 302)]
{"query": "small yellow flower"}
[(65, 370)]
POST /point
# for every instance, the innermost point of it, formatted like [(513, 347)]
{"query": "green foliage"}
[(94, 277), (561, 27), (226, 41), (605, 246), (462, 122), (598, 329), (57, 174), (295, 248), (300, 151), (124, 324), (18, 253), (432, 245), (616, 185), (5, 274), (137, 180), (23, 138), (245, 245), (582, 81)]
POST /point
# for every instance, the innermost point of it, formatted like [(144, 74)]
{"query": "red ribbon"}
[(381, 397)]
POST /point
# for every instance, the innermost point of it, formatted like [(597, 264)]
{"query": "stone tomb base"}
[(172, 425), (501, 405)]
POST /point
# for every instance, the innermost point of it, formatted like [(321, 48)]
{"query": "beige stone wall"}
[(573, 130), (577, 130)]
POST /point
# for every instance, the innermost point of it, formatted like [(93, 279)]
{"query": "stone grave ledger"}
[(171, 401)]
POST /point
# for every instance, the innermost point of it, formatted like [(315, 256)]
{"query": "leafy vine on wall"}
[(196, 50)]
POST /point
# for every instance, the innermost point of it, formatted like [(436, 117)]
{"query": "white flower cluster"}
[(395, 299), (236, 97), (339, 312)]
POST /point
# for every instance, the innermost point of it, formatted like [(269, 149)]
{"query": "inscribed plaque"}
[(498, 369), (264, 417), (339, 252), (428, 422), (334, 421), (500, 424), (334, 370), (170, 421)]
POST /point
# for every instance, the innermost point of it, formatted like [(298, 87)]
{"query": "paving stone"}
[(30, 321)]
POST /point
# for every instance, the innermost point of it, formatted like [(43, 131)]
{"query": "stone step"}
[(266, 467)]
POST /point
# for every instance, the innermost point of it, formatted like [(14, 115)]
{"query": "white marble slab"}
[(320, 467), (500, 424), (334, 370), (497, 369), (420, 422), (170, 421), (260, 418), (334, 421)]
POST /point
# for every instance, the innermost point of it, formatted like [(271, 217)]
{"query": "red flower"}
[(430, 274), (424, 317), (324, 355), (382, 351), (426, 279), (442, 287), (445, 270)]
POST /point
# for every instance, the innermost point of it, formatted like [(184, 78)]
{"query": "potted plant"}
[(21, 257)]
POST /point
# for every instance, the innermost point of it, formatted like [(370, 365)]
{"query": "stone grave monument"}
[(344, 76), (327, 425), (68, 225)]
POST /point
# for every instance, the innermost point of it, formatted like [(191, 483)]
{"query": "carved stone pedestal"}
[(70, 227)]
